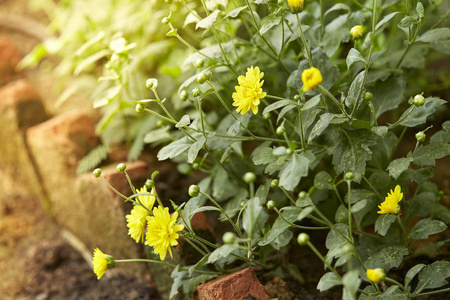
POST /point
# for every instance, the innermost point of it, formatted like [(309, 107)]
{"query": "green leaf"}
[(427, 155), (353, 57), (420, 205), (385, 20), (181, 279), (297, 168), (408, 21), (419, 114), (90, 60), (412, 273), (352, 151), (426, 227), (174, 148), (386, 259), (323, 181), (327, 281), (383, 223), (208, 22), (251, 213), (351, 99), (278, 104), (92, 159), (235, 12), (195, 148), (223, 187), (158, 135), (263, 155), (435, 35), (280, 226), (433, 276), (276, 165), (202, 208), (272, 21), (338, 6), (322, 124), (351, 283), (184, 121), (398, 166), (420, 9), (388, 94), (311, 103), (222, 251)]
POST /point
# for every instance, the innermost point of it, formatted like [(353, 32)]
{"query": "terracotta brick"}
[(20, 108), (241, 285), (9, 58)]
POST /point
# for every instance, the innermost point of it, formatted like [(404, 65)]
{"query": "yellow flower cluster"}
[(390, 204), (311, 78), (136, 220), (249, 91)]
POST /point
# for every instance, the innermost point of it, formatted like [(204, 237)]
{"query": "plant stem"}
[(403, 230), (324, 90), (299, 226), (113, 189), (311, 246), (349, 200), (305, 45)]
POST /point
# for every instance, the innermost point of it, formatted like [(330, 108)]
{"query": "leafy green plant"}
[(325, 97)]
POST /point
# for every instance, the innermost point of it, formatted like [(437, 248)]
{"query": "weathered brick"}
[(9, 58), (240, 285), (20, 108)]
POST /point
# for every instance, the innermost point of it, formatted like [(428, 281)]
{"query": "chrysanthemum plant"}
[(300, 119)]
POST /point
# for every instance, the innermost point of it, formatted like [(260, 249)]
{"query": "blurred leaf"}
[(184, 121), (386, 259), (327, 281), (323, 180), (427, 155), (424, 228), (385, 19), (354, 56), (433, 276), (174, 148), (195, 148), (208, 22), (272, 21), (351, 283)]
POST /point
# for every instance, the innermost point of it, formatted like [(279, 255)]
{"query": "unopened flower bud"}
[(183, 95), (149, 184), (420, 136), (97, 172), (229, 238), (270, 204), (419, 100), (194, 190), (297, 97), (201, 78), (121, 167), (296, 6), (302, 195), (249, 177), (375, 275), (274, 183), (349, 176), (266, 116), (290, 151), (356, 32), (368, 96), (151, 83), (139, 107), (199, 63), (165, 20), (280, 130), (303, 239), (196, 92)]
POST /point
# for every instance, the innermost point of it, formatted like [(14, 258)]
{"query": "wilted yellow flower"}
[(390, 204), (249, 91), (356, 32), (375, 275), (295, 5), (102, 262), (162, 231), (311, 78), (136, 220)]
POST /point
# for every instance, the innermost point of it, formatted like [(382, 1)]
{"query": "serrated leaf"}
[(383, 223), (92, 159), (184, 121), (208, 22), (435, 35), (174, 148), (322, 181), (433, 276), (195, 148), (354, 56), (327, 281), (388, 94), (426, 227), (419, 115), (386, 259), (222, 251), (297, 168), (280, 226), (322, 124), (398, 166), (427, 155), (272, 21)]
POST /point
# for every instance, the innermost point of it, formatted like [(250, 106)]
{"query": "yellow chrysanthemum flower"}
[(162, 231), (102, 262), (390, 204), (356, 32), (311, 78), (249, 91), (295, 5), (375, 275), (136, 220)]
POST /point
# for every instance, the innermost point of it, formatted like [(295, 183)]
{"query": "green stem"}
[(372, 187), (398, 143), (411, 109), (113, 189), (403, 230), (299, 226), (129, 182), (349, 200), (325, 91), (160, 116), (433, 292), (398, 284), (311, 246), (305, 45)]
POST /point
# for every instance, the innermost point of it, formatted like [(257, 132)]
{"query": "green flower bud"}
[(165, 20), (280, 130), (183, 95), (194, 190), (195, 166), (266, 116), (420, 136), (149, 184), (270, 204), (419, 100), (356, 32), (274, 183), (199, 63), (97, 172), (160, 123), (151, 83), (197, 92), (302, 195), (229, 238), (121, 167), (201, 78), (139, 107), (303, 239), (242, 204), (349, 176), (290, 151), (368, 96), (249, 177), (297, 97)]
